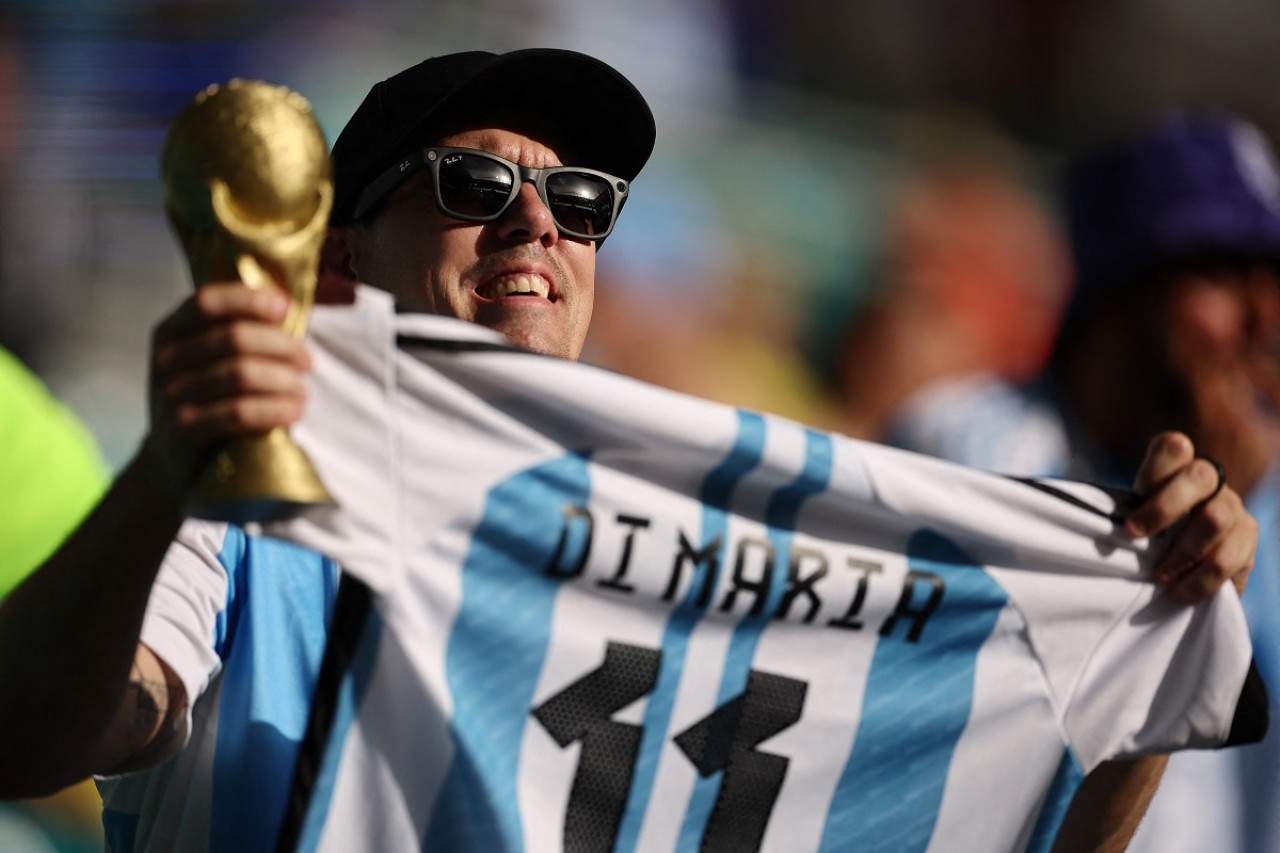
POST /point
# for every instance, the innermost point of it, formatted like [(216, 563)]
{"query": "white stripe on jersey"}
[(614, 617)]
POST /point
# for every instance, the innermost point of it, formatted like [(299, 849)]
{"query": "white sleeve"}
[(189, 595), (1164, 676), (1132, 673)]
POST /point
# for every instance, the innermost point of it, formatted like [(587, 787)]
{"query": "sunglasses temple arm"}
[(381, 186)]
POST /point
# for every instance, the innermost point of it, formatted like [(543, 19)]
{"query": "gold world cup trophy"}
[(248, 189)]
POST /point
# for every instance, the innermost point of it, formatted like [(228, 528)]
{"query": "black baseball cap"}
[(605, 117)]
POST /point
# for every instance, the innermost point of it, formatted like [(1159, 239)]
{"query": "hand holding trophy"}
[(248, 191)]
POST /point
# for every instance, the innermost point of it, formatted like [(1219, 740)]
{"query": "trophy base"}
[(257, 479)]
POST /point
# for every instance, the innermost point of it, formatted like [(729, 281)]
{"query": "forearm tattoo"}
[(153, 718)]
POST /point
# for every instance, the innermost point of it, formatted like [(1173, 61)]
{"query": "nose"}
[(528, 220)]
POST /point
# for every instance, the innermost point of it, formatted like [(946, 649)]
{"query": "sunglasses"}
[(476, 186)]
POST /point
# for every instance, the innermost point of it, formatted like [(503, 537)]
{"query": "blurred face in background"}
[(1223, 313), (1218, 329)]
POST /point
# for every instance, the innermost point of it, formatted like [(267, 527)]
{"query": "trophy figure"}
[(248, 190)]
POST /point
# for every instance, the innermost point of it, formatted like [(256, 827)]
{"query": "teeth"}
[(522, 284)]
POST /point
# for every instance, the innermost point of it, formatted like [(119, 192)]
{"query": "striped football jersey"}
[(607, 616), (612, 617)]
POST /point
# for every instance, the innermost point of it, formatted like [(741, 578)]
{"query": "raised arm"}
[(1211, 540), (78, 693)]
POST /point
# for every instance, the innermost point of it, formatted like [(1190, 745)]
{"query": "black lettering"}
[(798, 585), (865, 569), (759, 587), (574, 517), (624, 561), (708, 556), (580, 713), (905, 608), (726, 740)]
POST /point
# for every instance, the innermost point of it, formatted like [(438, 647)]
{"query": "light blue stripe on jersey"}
[(271, 651), (1056, 801), (780, 518), (495, 654), (717, 491), (916, 703), (352, 688)]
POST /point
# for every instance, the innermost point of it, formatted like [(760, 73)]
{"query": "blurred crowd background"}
[(885, 166)]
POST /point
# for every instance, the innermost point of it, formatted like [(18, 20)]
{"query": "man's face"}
[(517, 275), (1219, 326), (1220, 315)]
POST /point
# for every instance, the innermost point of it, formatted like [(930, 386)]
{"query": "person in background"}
[(1173, 323), (975, 277), (51, 467), (53, 473)]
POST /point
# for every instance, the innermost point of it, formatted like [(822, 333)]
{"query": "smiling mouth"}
[(523, 284)]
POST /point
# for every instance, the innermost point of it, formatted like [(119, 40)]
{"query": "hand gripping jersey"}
[(609, 617)]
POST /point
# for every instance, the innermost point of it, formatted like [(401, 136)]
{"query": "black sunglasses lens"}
[(474, 186), (580, 203)]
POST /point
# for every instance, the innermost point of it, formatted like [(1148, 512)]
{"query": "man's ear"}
[(336, 278)]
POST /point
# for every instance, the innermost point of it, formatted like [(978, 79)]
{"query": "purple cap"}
[(606, 119), (1187, 187)]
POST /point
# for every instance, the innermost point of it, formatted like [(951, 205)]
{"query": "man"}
[(1174, 323), (217, 670)]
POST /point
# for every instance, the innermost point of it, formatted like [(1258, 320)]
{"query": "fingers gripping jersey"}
[(611, 617)]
